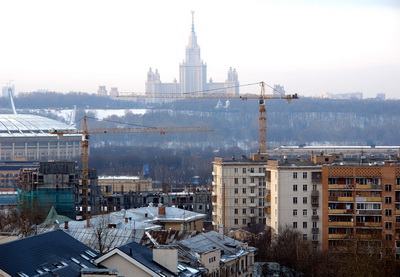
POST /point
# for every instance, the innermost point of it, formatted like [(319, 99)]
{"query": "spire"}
[(192, 21)]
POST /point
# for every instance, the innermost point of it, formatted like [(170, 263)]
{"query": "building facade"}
[(362, 204), (293, 197), (192, 75), (239, 192)]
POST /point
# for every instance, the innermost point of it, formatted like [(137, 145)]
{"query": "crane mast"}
[(85, 132)]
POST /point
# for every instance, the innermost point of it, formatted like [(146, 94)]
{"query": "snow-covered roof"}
[(22, 125)]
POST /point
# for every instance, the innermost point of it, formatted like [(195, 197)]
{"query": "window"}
[(388, 187), (236, 190), (294, 175), (244, 170), (314, 212), (236, 201), (252, 210), (244, 180), (244, 200), (315, 224), (251, 169), (304, 236), (252, 180), (304, 175), (388, 200), (294, 225), (304, 187), (388, 236), (236, 211), (244, 211), (244, 221), (294, 200), (236, 221), (388, 225), (304, 200), (304, 212), (314, 187), (236, 180), (236, 170), (304, 224), (244, 190), (251, 190), (294, 187), (388, 212), (294, 212)]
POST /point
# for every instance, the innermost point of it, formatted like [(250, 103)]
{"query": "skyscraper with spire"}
[(192, 74)]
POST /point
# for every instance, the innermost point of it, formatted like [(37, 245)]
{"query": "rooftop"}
[(23, 125), (50, 254)]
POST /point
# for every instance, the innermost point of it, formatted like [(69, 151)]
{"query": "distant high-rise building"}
[(278, 91), (192, 75), (381, 96), (102, 91), (114, 91), (5, 91)]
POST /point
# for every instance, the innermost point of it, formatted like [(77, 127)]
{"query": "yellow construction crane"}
[(86, 132), (262, 121)]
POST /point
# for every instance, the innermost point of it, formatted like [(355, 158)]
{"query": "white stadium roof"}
[(28, 125)]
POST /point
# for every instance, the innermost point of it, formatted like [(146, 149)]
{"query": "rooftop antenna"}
[(192, 21)]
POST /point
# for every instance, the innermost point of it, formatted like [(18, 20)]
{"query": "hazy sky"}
[(309, 47)]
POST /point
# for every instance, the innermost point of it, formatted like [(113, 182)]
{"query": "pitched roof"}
[(52, 216), (54, 251), (144, 255)]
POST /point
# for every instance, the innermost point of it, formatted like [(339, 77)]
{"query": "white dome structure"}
[(26, 137)]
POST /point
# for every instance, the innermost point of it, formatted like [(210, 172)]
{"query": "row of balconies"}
[(352, 199)]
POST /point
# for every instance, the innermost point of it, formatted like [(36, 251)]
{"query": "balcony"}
[(345, 199), (267, 210), (336, 236), (341, 223), (315, 204), (397, 224), (397, 187), (314, 230), (214, 173), (369, 224), (333, 198), (369, 212), (315, 193), (214, 198), (268, 198), (315, 217), (374, 199), (336, 211), (253, 195), (253, 205), (257, 174), (253, 215), (373, 224), (253, 184)]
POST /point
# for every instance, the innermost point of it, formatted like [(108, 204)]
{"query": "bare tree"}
[(103, 233)]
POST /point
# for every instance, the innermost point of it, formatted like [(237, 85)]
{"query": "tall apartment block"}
[(239, 191), (361, 201), (294, 188)]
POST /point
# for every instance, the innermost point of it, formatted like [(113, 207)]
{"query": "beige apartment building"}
[(239, 191), (293, 194)]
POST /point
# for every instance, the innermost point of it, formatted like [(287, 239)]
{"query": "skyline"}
[(309, 47)]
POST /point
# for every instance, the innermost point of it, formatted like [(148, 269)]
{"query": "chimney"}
[(126, 219), (167, 258), (56, 224), (161, 211), (66, 225), (221, 228)]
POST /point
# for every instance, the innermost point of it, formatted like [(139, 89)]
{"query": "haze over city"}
[(309, 47)]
